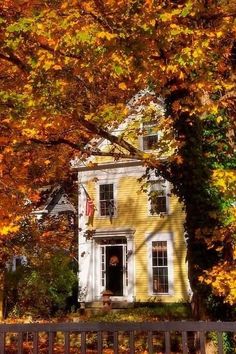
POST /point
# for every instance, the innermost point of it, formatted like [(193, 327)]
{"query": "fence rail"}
[(120, 337)]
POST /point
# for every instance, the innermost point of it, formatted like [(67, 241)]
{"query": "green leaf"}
[(118, 69), (187, 9), (84, 37), (23, 25)]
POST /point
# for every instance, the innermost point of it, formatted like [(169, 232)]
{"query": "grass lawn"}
[(152, 312)]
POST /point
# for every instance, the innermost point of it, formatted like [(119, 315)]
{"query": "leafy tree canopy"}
[(67, 70)]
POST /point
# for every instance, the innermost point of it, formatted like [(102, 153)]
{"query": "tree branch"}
[(93, 128), (12, 58), (87, 151), (58, 51), (150, 161)]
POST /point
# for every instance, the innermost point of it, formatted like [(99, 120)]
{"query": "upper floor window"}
[(106, 199), (150, 136), (150, 142), (158, 196)]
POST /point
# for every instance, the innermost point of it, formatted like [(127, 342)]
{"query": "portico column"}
[(130, 265)]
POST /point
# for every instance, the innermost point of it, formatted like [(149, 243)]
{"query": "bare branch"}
[(59, 141), (110, 137), (87, 151)]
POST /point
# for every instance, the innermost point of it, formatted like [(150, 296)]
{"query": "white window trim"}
[(115, 192), (158, 133), (167, 212), (162, 236)]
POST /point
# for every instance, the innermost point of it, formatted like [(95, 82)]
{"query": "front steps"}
[(114, 305)]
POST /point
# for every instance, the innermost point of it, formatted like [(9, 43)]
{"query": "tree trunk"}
[(2, 282)]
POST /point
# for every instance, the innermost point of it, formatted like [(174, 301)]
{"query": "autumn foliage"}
[(67, 70)]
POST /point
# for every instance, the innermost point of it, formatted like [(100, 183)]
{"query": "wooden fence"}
[(120, 337)]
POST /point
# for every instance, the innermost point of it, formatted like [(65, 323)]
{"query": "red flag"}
[(89, 207)]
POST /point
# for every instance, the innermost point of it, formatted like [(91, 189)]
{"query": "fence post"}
[(35, 342), (167, 342), (184, 342), (2, 342)]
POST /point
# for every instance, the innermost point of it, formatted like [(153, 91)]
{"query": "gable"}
[(145, 106), (54, 201), (61, 204)]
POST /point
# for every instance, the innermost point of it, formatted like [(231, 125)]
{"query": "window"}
[(106, 199), (16, 262), (150, 142), (160, 260), (160, 267), (158, 196), (150, 136)]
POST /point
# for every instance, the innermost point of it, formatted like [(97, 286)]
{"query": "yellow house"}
[(128, 243)]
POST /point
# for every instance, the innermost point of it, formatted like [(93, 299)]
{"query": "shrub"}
[(43, 289)]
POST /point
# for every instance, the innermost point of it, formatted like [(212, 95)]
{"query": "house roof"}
[(53, 201)]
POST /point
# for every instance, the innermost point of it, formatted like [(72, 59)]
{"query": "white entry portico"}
[(107, 263)]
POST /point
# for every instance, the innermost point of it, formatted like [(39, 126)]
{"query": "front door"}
[(115, 269)]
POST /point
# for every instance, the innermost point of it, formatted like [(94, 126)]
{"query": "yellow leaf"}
[(214, 109), (5, 230), (166, 17), (197, 53), (181, 75), (48, 64), (171, 69), (219, 119), (106, 35), (122, 86), (31, 103), (219, 34), (30, 133), (40, 26)]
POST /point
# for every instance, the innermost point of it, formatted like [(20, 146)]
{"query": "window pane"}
[(160, 280), (158, 205), (160, 267), (158, 198), (150, 142), (158, 185), (106, 191), (106, 200)]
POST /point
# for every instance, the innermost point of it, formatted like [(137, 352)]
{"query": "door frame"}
[(112, 238), (100, 273), (123, 270)]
